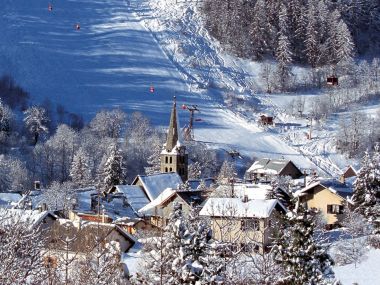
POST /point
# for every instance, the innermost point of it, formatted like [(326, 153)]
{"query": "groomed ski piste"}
[(122, 49)]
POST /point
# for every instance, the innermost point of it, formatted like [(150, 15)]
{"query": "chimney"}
[(304, 178), (37, 185)]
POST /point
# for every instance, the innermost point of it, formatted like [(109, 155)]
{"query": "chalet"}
[(247, 224), (159, 210), (153, 185), (266, 120), (348, 172), (322, 197), (265, 169)]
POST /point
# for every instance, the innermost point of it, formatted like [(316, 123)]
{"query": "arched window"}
[(171, 169), (170, 160), (166, 169), (166, 159)]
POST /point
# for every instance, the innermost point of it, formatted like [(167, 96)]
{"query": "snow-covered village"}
[(221, 142)]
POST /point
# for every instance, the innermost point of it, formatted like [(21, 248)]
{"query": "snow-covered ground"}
[(117, 55), (365, 273)]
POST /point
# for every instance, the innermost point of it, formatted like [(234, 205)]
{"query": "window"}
[(166, 169), (170, 169), (166, 160), (334, 209), (170, 160), (250, 224)]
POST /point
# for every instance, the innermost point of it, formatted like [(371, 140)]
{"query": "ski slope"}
[(111, 62)]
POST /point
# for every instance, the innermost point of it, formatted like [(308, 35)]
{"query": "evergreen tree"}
[(367, 183), (182, 255), (303, 261), (226, 173), (345, 44), (114, 169), (80, 172), (283, 52)]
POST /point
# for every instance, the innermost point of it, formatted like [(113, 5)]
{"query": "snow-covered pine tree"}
[(226, 172), (80, 172), (303, 261), (181, 255), (36, 122), (312, 37), (345, 44), (283, 51), (114, 169), (366, 186)]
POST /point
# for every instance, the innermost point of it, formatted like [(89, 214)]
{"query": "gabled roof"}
[(135, 196), (155, 184), (83, 199), (252, 191), (349, 170), (33, 217), (189, 197), (269, 166), (194, 183), (84, 238), (235, 207), (192, 197), (116, 208), (150, 209), (331, 186)]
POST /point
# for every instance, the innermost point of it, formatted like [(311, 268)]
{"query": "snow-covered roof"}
[(155, 184), (33, 217), (331, 185), (151, 208), (134, 195), (268, 166), (252, 191), (8, 200), (235, 207), (83, 198), (116, 208), (194, 183)]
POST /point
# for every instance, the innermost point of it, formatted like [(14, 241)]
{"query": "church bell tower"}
[(174, 157)]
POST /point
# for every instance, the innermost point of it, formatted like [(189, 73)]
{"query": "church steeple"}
[(172, 139), (174, 157)]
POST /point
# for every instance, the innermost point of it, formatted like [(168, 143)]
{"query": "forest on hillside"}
[(299, 31)]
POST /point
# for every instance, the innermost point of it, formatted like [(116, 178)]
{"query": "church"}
[(174, 157)]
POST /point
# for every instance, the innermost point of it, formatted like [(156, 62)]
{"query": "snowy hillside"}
[(124, 47)]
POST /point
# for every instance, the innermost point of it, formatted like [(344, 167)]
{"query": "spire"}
[(172, 138)]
